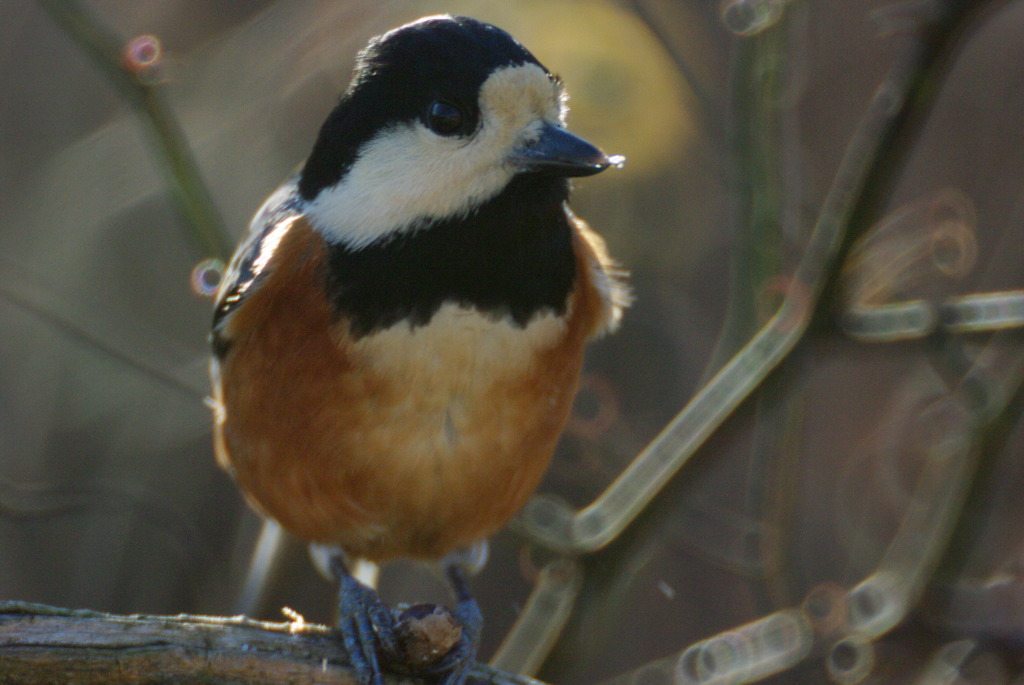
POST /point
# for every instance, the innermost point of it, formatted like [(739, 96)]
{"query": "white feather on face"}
[(408, 173)]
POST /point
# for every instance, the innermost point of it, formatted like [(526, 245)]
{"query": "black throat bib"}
[(512, 256)]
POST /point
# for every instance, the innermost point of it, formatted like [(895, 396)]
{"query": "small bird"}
[(398, 340)]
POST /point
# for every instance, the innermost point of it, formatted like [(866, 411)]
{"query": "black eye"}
[(444, 118)]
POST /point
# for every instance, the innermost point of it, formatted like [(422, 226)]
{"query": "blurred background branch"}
[(132, 67)]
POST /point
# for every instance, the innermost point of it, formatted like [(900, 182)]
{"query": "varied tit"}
[(398, 340)]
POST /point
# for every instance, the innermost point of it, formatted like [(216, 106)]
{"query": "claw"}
[(365, 623)]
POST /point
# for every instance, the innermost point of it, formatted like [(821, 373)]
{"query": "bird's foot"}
[(424, 640), (366, 625)]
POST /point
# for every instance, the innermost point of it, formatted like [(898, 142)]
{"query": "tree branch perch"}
[(40, 644)]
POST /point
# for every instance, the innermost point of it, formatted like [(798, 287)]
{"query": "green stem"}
[(191, 196), (759, 192)]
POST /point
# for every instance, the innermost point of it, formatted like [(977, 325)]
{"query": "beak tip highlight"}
[(617, 161)]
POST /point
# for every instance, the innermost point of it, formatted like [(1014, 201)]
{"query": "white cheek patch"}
[(404, 175), (407, 174)]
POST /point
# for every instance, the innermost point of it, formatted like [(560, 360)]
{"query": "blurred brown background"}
[(733, 115)]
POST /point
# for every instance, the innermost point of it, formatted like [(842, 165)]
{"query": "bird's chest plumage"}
[(455, 396), (407, 440), (446, 372)]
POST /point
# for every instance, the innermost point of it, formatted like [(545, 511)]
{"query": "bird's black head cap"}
[(398, 76)]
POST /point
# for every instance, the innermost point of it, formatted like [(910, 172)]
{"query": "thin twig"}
[(191, 196)]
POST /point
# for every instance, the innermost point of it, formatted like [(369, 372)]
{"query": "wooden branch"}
[(42, 645)]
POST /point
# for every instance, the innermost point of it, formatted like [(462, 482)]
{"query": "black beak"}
[(559, 153)]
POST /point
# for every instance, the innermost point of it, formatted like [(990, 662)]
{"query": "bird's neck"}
[(511, 256)]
